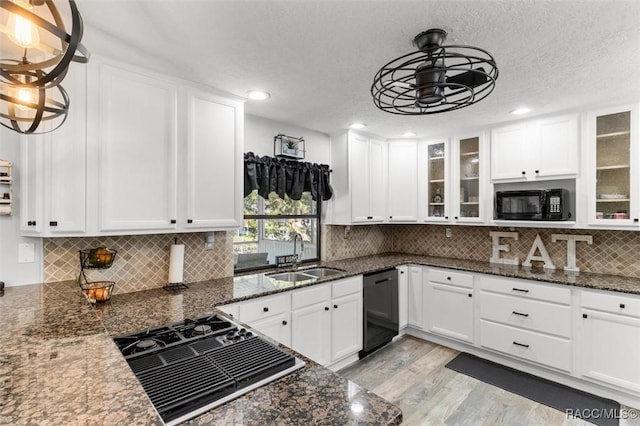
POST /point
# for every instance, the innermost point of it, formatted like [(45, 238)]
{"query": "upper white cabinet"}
[(53, 170), (613, 167), (359, 179), (469, 170), (213, 183), (438, 188), (536, 150), (402, 198), (134, 130)]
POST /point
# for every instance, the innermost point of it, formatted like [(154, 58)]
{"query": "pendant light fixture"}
[(30, 90), (435, 78)]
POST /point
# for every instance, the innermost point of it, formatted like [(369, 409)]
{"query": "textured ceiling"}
[(318, 58)]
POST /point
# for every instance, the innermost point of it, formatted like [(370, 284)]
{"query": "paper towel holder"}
[(178, 285)]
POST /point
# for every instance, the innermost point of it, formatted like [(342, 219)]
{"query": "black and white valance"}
[(268, 174)]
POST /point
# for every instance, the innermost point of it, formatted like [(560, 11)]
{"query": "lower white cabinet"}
[(403, 296), (346, 318), (415, 311), (311, 323), (278, 327), (448, 304), (610, 339)]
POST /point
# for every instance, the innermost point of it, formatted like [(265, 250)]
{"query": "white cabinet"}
[(402, 189), (135, 131), (278, 327), (536, 150), (469, 176), (269, 315), (403, 296), (54, 179), (438, 189), (610, 339), (612, 167), (213, 183), (311, 323), (346, 323), (415, 311), (359, 179), (448, 302)]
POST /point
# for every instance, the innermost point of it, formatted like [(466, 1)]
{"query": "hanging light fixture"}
[(30, 88), (435, 78)]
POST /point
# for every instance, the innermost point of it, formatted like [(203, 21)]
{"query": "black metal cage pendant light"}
[(435, 78), (30, 89)]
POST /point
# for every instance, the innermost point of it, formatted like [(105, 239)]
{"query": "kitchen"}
[(547, 53)]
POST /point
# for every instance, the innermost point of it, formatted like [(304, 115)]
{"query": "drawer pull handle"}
[(369, 217), (265, 309), (284, 322), (519, 313), (520, 344), (173, 221), (622, 306), (523, 290), (326, 308)]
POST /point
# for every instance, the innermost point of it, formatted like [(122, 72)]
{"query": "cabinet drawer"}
[(528, 289), (524, 313), (613, 303), (311, 296), (451, 278), (547, 350), (346, 286), (264, 307)]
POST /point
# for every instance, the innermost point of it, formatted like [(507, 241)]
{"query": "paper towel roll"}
[(176, 264)]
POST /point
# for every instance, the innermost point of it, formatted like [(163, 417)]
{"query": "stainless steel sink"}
[(292, 277), (322, 272)]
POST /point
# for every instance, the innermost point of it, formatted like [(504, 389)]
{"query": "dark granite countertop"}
[(58, 363)]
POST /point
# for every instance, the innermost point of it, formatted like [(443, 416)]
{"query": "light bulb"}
[(25, 95), (20, 30)]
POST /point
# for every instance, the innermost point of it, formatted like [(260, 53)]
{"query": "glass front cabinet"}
[(437, 181), (468, 174), (614, 185)]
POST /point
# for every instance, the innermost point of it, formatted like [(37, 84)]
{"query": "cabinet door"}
[(359, 178), (558, 146), (468, 171), (213, 164), (509, 157), (31, 184), (403, 182), (346, 326), (610, 349), (65, 162), (403, 296), (310, 328), (450, 310), (137, 140), (438, 182), (415, 297), (613, 168), (377, 180), (278, 327)]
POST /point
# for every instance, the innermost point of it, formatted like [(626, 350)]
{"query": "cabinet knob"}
[(622, 306), (402, 272), (584, 315), (189, 220), (524, 173), (53, 223), (326, 308), (265, 309), (455, 217), (173, 221), (284, 322), (470, 295), (446, 217), (335, 306), (537, 171), (448, 278)]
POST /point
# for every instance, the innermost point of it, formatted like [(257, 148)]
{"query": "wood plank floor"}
[(410, 372)]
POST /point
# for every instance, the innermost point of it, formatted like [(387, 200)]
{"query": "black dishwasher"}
[(380, 310)]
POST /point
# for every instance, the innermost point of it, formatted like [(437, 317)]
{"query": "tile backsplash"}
[(142, 261), (612, 252)]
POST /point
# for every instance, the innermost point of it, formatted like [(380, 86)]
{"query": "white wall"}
[(259, 133), (12, 272)]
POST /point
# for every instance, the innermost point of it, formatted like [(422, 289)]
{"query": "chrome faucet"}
[(297, 237)]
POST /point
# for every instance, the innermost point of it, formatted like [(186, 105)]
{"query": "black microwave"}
[(538, 204)]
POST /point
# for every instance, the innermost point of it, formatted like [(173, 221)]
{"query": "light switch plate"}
[(26, 253)]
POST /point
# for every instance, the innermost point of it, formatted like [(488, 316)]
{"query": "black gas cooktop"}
[(191, 366)]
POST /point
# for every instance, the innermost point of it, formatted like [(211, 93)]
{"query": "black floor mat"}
[(588, 407)]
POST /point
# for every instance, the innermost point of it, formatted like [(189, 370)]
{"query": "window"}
[(269, 228)]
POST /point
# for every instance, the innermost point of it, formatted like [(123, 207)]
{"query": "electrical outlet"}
[(26, 253), (447, 232), (208, 241)]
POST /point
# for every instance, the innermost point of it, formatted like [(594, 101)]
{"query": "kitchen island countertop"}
[(58, 363)]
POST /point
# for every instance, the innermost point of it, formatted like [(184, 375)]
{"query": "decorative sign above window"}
[(288, 147)]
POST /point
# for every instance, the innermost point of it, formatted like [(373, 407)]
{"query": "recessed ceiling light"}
[(520, 111), (409, 134), (357, 126), (258, 95)]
